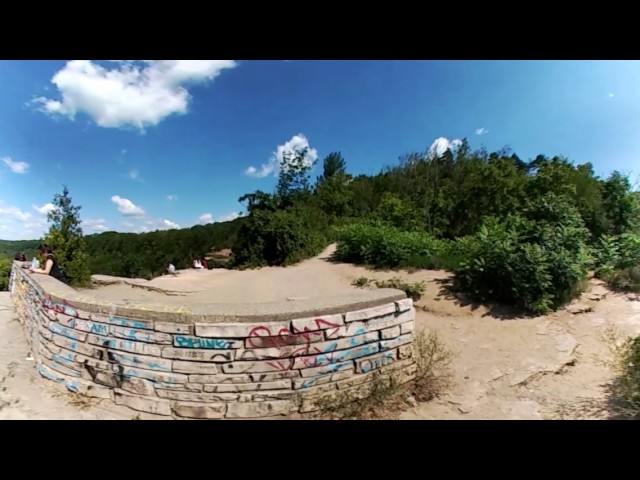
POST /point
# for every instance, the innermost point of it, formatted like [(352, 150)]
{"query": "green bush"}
[(278, 238), (538, 261), (625, 279), (5, 271), (383, 246), (617, 252), (413, 290), (618, 261)]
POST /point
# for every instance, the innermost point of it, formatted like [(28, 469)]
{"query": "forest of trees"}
[(514, 231)]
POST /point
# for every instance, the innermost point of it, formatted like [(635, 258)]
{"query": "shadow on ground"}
[(461, 299)]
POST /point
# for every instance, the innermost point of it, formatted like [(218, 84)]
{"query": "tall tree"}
[(293, 179), (66, 238), (334, 164)]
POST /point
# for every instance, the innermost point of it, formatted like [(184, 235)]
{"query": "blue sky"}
[(145, 145)]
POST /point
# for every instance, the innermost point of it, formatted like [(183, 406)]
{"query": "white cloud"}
[(14, 213), (148, 224), (16, 224), (205, 218), (229, 217), (611, 95), (441, 145), (133, 174), (279, 158), (44, 209), (123, 151), (136, 94), (16, 167), (172, 197), (169, 224), (126, 207), (481, 131), (95, 224)]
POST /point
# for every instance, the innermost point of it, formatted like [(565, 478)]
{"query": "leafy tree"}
[(66, 239), (333, 165), (334, 197), (619, 203), (293, 178)]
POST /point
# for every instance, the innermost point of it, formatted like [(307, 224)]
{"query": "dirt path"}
[(552, 367)]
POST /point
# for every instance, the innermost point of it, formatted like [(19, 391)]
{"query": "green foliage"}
[(5, 270), (281, 237), (361, 282), (10, 248), (147, 255), (287, 227), (380, 245), (625, 279), (413, 290), (66, 238), (396, 212), (538, 261), (620, 204), (618, 261), (293, 178)]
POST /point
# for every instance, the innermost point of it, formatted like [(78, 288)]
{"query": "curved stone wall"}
[(216, 360)]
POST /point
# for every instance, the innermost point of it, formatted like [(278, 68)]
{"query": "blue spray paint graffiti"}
[(123, 322), (64, 331), (195, 342), (47, 374)]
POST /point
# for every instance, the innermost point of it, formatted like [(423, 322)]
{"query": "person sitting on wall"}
[(50, 264), (21, 257)]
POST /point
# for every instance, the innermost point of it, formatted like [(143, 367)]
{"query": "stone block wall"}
[(191, 368)]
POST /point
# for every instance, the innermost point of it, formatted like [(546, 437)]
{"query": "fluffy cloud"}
[(44, 209), (169, 224), (229, 217), (126, 207), (16, 167), (16, 224), (279, 158), (14, 213), (441, 145), (134, 93), (481, 131), (147, 224), (95, 224), (205, 218)]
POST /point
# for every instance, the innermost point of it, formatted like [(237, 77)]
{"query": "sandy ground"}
[(313, 278), (552, 367)]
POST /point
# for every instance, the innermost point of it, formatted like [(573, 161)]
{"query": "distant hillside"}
[(144, 255), (147, 255), (8, 248)]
